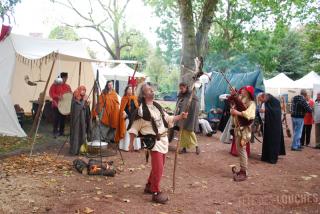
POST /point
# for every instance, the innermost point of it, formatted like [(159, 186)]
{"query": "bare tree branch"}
[(94, 40), (124, 7), (77, 11), (107, 9)]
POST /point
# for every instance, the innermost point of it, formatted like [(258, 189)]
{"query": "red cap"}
[(249, 89)]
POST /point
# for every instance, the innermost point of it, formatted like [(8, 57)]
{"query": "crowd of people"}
[(136, 122)]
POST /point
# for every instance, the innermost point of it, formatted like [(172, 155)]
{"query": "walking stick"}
[(178, 145), (198, 73)]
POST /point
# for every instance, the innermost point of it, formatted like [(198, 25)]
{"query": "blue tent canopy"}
[(218, 86)]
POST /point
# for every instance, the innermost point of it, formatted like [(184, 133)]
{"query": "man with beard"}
[(242, 131), (273, 141), (151, 123), (188, 137)]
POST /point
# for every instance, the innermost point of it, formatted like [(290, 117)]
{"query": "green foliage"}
[(64, 32), (311, 46), (290, 59), (169, 29), (6, 8), (250, 33), (262, 51), (166, 77), (138, 46)]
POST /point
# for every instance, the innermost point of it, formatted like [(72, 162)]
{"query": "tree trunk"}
[(209, 7), (193, 44), (188, 39), (116, 39)]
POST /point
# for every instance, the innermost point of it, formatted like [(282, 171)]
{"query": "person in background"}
[(307, 126), (129, 103), (316, 117), (108, 112), (79, 120), (57, 90), (205, 125), (273, 141), (188, 126), (299, 108)]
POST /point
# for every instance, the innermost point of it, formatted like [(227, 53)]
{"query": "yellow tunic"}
[(243, 133)]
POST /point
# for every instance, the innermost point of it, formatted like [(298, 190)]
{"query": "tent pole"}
[(79, 74), (37, 119)]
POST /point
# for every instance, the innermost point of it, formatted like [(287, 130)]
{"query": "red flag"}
[(5, 31)]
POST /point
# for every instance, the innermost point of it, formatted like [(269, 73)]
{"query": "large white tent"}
[(279, 81), (119, 73), (22, 56), (280, 84), (308, 81)]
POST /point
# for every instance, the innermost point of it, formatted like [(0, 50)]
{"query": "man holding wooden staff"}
[(151, 123)]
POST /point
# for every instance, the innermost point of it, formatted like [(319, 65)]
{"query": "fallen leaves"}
[(126, 185), (108, 196), (88, 210), (42, 164), (306, 178), (126, 200)]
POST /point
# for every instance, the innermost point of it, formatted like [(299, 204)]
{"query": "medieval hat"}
[(249, 89), (63, 74)]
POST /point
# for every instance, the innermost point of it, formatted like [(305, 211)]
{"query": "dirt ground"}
[(204, 183)]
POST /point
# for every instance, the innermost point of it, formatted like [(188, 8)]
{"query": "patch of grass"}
[(8, 143), (168, 104)]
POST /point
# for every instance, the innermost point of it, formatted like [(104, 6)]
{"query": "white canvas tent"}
[(280, 84), (308, 81), (22, 56), (121, 73)]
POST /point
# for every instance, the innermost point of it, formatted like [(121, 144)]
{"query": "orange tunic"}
[(121, 130), (109, 109)]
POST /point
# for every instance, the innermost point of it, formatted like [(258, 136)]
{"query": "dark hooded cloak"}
[(273, 141)]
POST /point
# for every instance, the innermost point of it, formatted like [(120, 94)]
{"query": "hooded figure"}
[(273, 141), (79, 120)]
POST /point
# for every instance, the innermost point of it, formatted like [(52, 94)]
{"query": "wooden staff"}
[(36, 123), (198, 73), (178, 145), (79, 80)]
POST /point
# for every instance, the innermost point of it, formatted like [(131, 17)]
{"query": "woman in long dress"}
[(80, 120), (129, 103)]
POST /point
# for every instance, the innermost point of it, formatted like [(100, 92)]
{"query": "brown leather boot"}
[(240, 176), (160, 198), (147, 189)]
